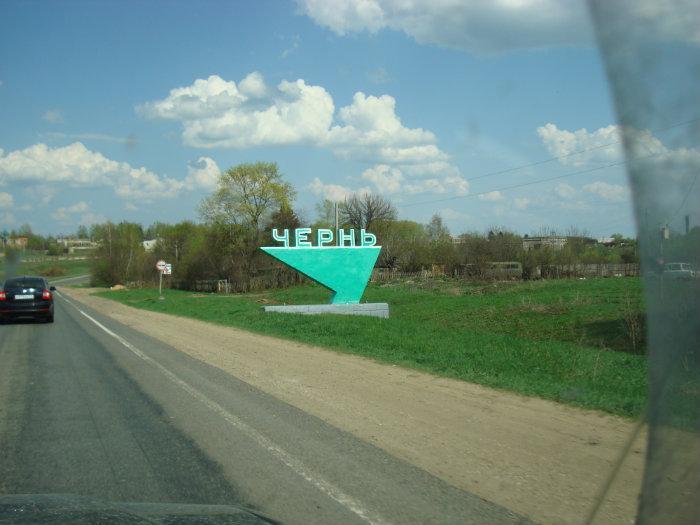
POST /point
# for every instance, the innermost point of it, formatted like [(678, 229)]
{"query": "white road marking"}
[(285, 457)]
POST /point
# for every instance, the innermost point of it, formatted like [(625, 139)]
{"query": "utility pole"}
[(335, 206)]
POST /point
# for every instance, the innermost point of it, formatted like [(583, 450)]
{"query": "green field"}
[(560, 340), (52, 268)]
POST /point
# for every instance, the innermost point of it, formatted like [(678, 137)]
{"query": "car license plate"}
[(24, 296)]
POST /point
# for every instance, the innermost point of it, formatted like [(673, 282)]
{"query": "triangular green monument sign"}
[(345, 270)]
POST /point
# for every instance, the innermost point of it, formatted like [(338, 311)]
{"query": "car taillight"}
[(46, 295), (3, 296)]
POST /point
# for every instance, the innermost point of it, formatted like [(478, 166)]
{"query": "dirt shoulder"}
[(535, 457)]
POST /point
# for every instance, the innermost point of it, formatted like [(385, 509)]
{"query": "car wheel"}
[(49, 319)]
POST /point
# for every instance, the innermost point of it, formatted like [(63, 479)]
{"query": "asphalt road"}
[(91, 407)]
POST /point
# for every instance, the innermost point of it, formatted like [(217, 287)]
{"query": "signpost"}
[(162, 268)]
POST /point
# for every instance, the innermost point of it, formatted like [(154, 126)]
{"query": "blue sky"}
[(344, 96)]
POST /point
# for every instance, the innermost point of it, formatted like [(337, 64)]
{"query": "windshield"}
[(350, 261), (26, 282)]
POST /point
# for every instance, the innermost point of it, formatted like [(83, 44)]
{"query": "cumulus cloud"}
[(492, 196), (470, 26), (216, 113), (77, 166), (564, 190), (333, 192), (609, 192), (64, 213), (53, 116), (203, 174), (497, 26)]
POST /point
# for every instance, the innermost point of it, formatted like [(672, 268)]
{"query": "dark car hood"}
[(59, 509)]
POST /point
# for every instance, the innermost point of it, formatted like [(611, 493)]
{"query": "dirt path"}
[(536, 457)]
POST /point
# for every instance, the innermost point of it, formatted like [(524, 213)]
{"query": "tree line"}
[(251, 199)]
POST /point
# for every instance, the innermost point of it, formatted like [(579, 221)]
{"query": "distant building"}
[(150, 245), (552, 242), (457, 239), (607, 241), (74, 245), (19, 243)]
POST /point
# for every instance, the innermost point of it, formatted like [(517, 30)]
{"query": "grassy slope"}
[(542, 339), (66, 268)]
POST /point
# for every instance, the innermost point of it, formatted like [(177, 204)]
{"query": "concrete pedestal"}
[(371, 309)]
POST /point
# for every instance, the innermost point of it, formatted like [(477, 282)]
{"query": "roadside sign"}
[(161, 265), (168, 270)]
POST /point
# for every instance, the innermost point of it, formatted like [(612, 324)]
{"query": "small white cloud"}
[(63, 214), (385, 178), (378, 76), (492, 196), (564, 190), (6, 201), (253, 85), (128, 206), (333, 192), (296, 39), (609, 192), (521, 203), (54, 116), (203, 174)]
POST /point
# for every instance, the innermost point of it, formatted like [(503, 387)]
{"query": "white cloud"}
[(385, 178), (491, 196), (64, 213), (77, 166), (564, 190), (296, 39), (521, 203), (203, 174), (501, 25), (602, 145), (484, 26), (609, 192), (54, 116), (128, 206), (219, 113), (6, 201), (216, 114), (333, 192)]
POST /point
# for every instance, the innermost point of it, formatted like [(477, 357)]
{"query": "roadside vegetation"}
[(51, 267), (565, 340)]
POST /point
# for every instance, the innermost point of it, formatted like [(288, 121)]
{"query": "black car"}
[(26, 297)]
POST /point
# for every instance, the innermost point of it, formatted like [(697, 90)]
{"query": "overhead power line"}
[(514, 186)]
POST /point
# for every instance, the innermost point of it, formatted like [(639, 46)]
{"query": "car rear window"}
[(24, 283)]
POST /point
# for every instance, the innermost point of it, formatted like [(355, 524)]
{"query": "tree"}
[(361, 211), (325, 214), (82, 232), (436, 229), (246, 194)]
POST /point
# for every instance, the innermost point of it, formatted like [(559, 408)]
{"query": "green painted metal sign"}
[(342, 263)]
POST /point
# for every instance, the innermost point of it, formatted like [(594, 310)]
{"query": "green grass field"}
[(559, 340), (52, 268)]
